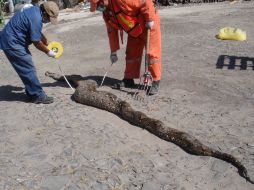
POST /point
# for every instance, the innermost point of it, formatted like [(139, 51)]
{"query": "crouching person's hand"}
[(113, 57)]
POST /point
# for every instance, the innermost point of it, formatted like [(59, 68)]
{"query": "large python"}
[(86, 93)]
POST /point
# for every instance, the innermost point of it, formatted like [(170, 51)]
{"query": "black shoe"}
[(125, 83), (154, 88), (43, 100)]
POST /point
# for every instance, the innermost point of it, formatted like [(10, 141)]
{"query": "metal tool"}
[(108, 69), (145, 81)]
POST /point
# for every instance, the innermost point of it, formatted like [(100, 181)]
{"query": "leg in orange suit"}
[(134, 52)]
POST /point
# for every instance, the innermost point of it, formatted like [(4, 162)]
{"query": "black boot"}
[(125, 83), (43, 100), (154, 88)]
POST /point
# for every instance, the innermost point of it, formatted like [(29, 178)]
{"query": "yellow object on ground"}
[(56, 47), (233, 2), (229, 33)]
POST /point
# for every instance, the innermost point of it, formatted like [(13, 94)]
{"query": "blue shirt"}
[(23, 28)]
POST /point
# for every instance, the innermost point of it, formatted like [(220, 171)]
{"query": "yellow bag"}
[(56, 47), (229, 33)]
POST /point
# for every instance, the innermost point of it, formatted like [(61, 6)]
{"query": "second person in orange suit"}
[(135, 18)]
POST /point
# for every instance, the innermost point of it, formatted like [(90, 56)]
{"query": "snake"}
[(86, 93)]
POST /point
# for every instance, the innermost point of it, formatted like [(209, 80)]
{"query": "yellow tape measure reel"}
[(56, 47)]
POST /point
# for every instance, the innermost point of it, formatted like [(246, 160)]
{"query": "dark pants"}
[(21, 61)]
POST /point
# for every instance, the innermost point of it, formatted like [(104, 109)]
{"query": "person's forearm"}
[(148, 10), (113, 38), (41, 46), (44, 39)]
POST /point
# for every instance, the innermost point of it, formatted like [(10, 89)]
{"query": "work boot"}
[(154, 88), (125, 83), (43, 100)]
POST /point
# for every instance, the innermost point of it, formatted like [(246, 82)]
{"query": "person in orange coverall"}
[(135, 18)]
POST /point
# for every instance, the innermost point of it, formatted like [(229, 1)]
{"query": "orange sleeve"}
[(113, 38), (148, 10)]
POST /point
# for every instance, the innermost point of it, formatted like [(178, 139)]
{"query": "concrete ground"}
[(207, 90)]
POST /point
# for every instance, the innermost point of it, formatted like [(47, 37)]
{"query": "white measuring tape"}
[(65, 77)]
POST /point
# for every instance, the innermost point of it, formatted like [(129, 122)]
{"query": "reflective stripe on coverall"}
[(134, 50)]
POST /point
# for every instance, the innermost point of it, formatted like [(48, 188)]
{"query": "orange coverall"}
[(146, 12)]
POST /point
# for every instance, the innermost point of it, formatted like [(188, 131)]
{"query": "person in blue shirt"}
[(24, 29)]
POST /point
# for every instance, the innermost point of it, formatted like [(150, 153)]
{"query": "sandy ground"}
[(207, 90)]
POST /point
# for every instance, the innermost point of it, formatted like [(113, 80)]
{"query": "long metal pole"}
[(147, 50)]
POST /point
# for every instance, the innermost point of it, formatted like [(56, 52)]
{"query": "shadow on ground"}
[(12, 93), (231, 62), (107, 82)]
